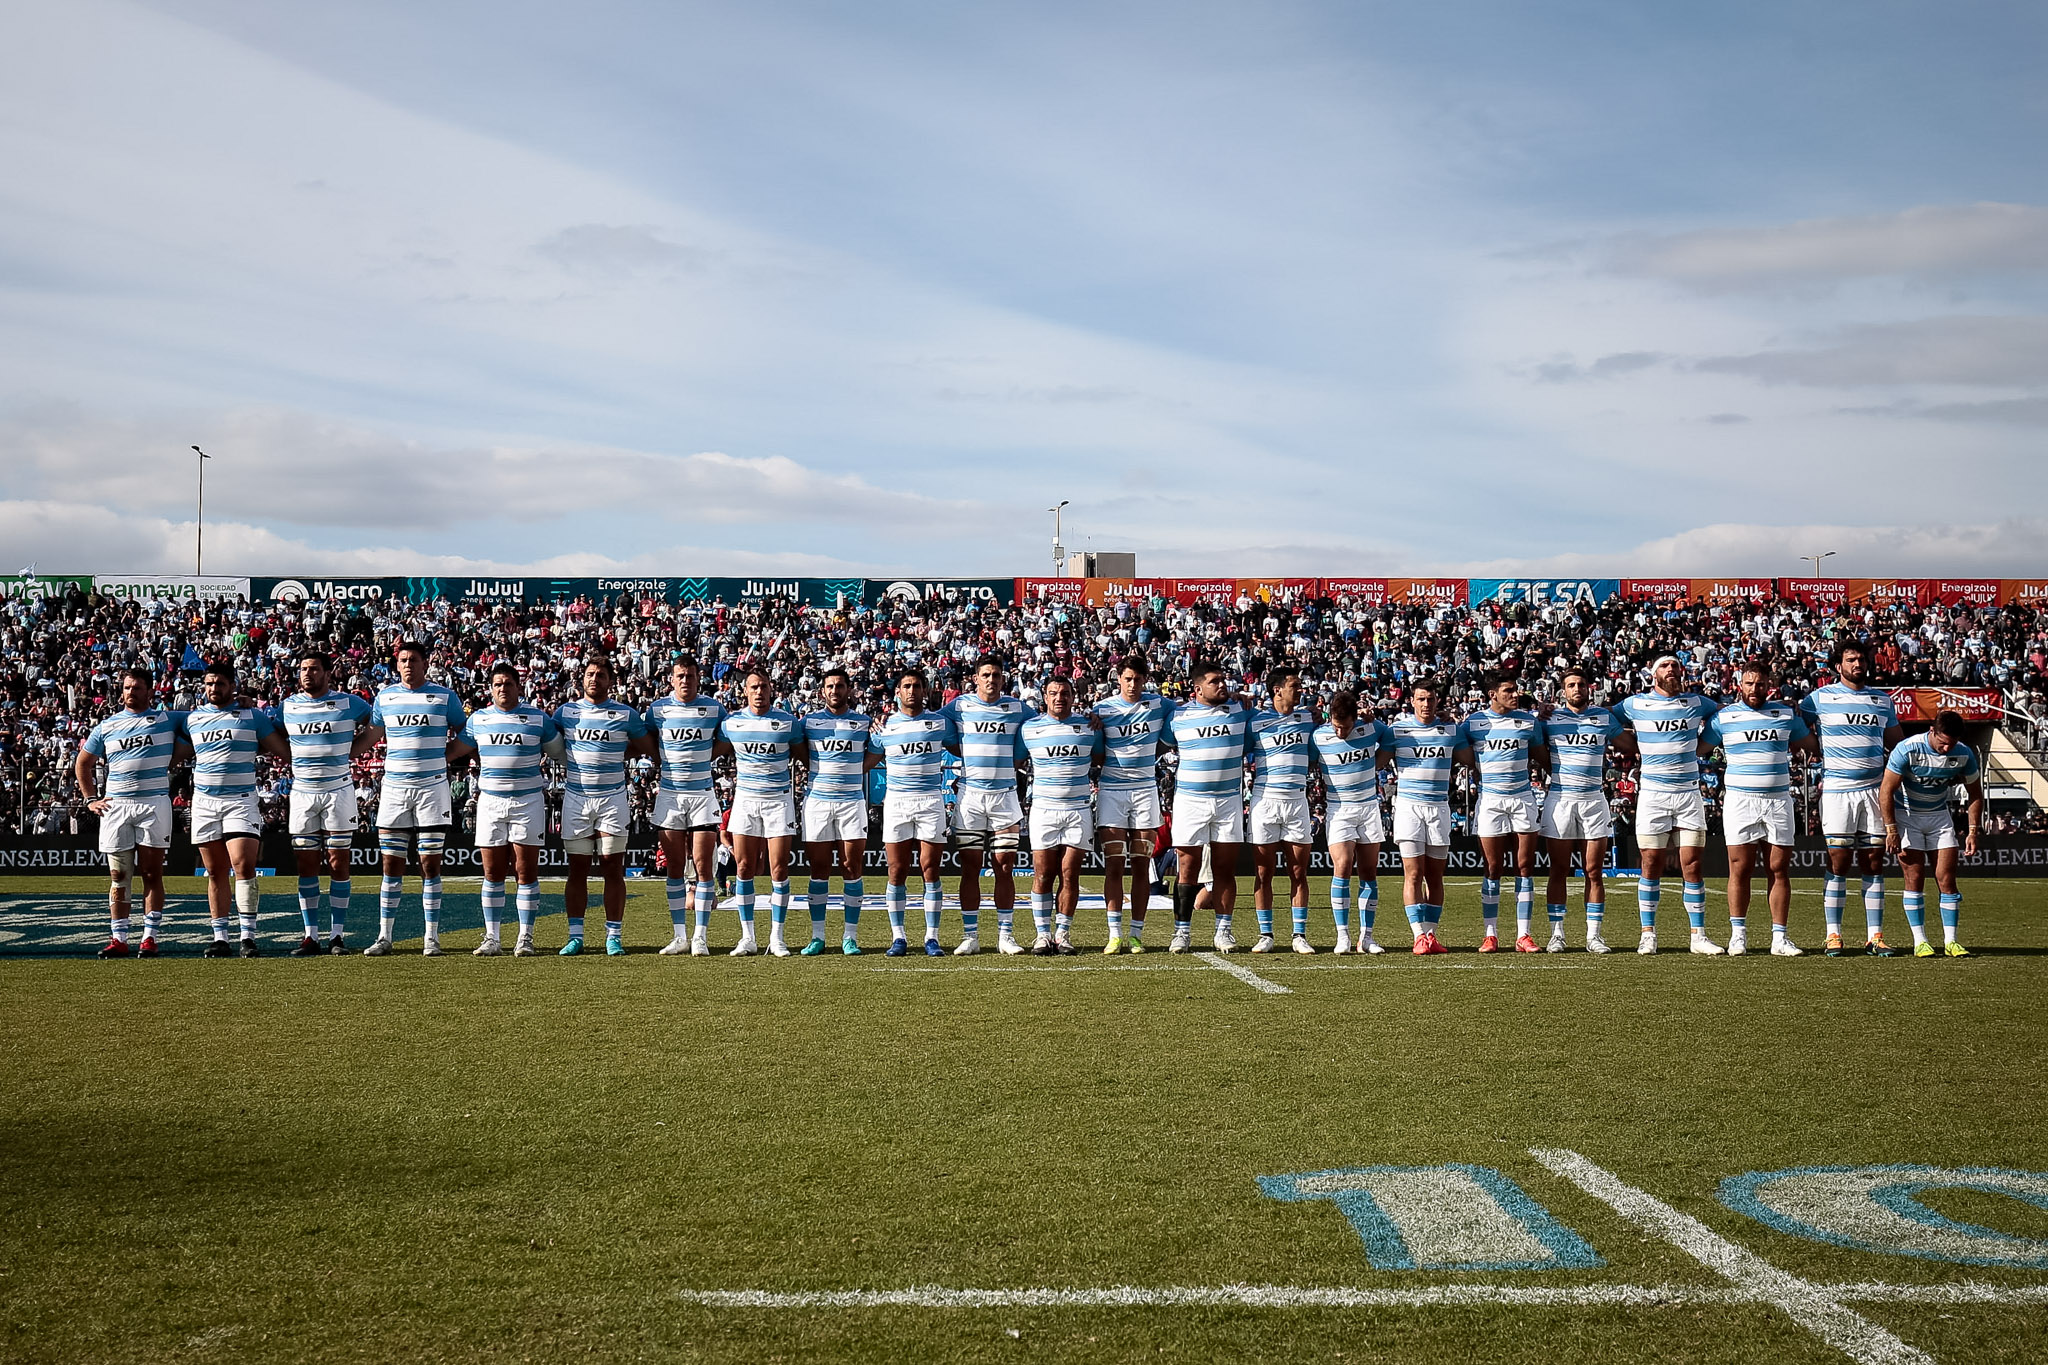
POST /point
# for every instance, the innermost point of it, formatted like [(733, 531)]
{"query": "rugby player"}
[(1857, 726), (419, 723), (836, 808), (763, 741), (1576, 817), (1210, 730), (324, 728), (1918, 778), (1759, 736), (1505, 742), (911, 745), (1424, 744), (1350, 752), (987, 820), (1066, 751), (1279, 746), (227, 824), (138, 744), (597, 732), (1127, 797), (507, 738), (685, 726), (1667, 721)]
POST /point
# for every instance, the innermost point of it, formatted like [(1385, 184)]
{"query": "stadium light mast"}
[(1059, 551), (199, 530), (1815, 561)]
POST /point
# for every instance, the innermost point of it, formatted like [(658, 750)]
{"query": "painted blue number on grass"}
[(1878, 1208), (1452, 1217)]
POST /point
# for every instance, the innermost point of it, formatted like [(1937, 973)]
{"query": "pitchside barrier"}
[(78, 854)]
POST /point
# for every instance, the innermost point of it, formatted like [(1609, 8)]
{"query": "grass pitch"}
[(534, 1159)]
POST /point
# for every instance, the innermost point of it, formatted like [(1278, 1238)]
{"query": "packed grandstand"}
[(1981, 648)]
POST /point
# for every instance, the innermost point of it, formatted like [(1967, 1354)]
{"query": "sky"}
[(1348, 288)]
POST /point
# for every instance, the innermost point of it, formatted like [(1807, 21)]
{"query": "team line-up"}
[(1093, 777)]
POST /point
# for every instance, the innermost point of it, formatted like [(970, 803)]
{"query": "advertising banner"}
[(1964, 592), (345, 591), (1723, 591), (43, 584), (1925, 703), (1370, 592), (1107, 592), (2023, 592), (1190, 591), (1426, 592), (1656, 589), (1051, 589), (1891, 592), (994, 592), (1277, 589), (1818, 593), (1544, 592), (195, 587)]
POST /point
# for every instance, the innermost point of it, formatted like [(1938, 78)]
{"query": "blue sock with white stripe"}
[(1951, 914), (430, 903), (1301, 921), (851, 894), (1340, 902), (527, 905), (1368, 903), (1415, 920), (934, 901), (1873, 905), (1833, 891), (744, 889), (1489, 904), (338, 891), (1916, 914), (815, 896), (678, 889), (309, 905), (1649, 890), (1266, 921), (1695, 894), (707, 901), (1525, 904), (778, 902), (493, 896), (899, 906), (388, 896)]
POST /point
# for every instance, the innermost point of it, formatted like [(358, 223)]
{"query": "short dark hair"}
[(1576, 671), (832, 673), (1757, 666), (1495, 679), (917, 674), (1135, 663), (1344, 706), (761, 670), (1060, 680), (1430, 685), (1276, 676), (416, 646), (505, 670), (990, 661), (220, 668), (598, 661), (1847, 644), (1204, 669), (686, 661), (140, 674), (1950, 724), (326, 663)]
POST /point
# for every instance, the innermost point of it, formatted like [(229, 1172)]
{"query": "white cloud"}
[(1929, 241), (1946, 350)]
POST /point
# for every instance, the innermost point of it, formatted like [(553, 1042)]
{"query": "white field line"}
[(1244, 974), (1284, 1296), (1807, 1304)]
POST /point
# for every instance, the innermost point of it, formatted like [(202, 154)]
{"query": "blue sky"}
[(1341, 288)]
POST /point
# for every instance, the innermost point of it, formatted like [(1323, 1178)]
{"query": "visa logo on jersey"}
[(413, 721), (134, 744)]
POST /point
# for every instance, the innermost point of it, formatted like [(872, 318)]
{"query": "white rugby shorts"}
[(1500, 813), (1662, 812), (585, 815), (985, 810), (1852, 819), (1207, 820), (685, 810), (502, 820), (1752, 819), (322, 812), (1281, 818), (836, 821), (1577, 816), (215, 818), (1928, 831), (919, 816), (1356, 822), (1127, 807), (1422, 829), (132, 822), (407, 807), (763, 817), (1061, 826)]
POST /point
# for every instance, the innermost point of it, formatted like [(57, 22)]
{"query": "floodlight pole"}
[(199, 530), (1815, 560), (1059, 551)]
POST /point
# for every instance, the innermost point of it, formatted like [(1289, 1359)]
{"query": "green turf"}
[(350, 1158)]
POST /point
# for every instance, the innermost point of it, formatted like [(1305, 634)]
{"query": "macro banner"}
[(1544, 592), (993, 592), (1925, 703), (1426, 592), (339, 591), (191, 587), (43, 585)]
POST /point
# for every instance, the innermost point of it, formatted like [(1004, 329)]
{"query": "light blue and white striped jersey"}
[(137, 749), (508, 745), (417, 722), (687, 731), (1668, 733), (597, 733), (1280, 749), (760, 750), (1351, 772), (1131, 732), (1926, 776), (989, 740), (1212, 742), (223, 740), (1757, 740), (1062, 752), (1501, 743), (839, 751), (320, 729), (1578, 748), (1851, 722), (913, 750), (1422, 757)]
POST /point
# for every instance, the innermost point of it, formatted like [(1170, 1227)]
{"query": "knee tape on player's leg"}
[(393, 844), (1113, 848), (580, 847), (609, 844), (969, 840), (340, 839), (1141, 843), (306, 843), (1006, 840), (121, 866), (432, 841)]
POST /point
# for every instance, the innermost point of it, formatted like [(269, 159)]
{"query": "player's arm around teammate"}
[(835, 813), (1210, 732), (1066, 754), (764, 743), (596, 809), (138, 743), (988, 820), (1127, 798), (1350, 751), (911, 745), (1668, 723), (1426, 744), (1919, 775), (1576, 818), (415, 719), (1759, 736), (1279, 749), (1858, 728), (325, 728), (507, 739), (684, 728), (1506, 745), (227, 824)]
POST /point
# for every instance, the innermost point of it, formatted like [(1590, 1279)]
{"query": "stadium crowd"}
[(60, 657)]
